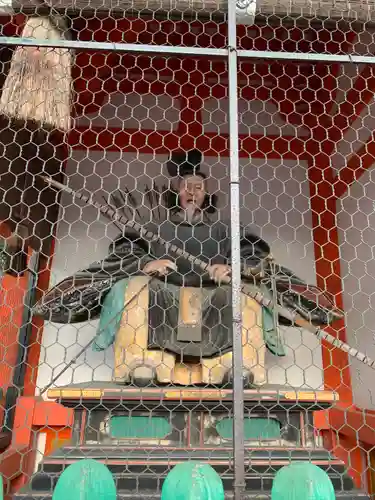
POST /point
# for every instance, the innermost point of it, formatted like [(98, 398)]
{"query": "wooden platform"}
[(108, 393), (140, 434)]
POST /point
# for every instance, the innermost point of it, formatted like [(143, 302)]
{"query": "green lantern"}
[(302, 480), (192, 481), (85, 480)]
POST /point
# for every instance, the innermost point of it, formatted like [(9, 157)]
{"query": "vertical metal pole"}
[(238, 404)]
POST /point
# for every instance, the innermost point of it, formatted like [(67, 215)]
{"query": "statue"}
[(169, 321)]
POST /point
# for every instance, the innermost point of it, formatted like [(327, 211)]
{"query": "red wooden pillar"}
[(325, 190), (327, 262), (12, 293), (12, 296), (327, 257), (35, 339)]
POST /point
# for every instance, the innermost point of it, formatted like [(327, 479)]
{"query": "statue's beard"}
[(191, 211)]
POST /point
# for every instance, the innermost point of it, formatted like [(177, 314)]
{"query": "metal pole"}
[(172, 50), (133, 48), (238, 403)]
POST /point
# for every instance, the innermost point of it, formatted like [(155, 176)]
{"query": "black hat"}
[(184, 163)]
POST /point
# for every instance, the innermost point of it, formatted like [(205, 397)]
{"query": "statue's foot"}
[(141, 376), (247, 377), (145, 376), (146, 369)]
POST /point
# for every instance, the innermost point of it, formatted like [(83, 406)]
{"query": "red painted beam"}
[(350, 421), (12, 464), (356, 100), (163, 142), (339, 428), (32, 414), (327, 257), (327, 263), (305, 98), (346, 47), (354, 423), (202, 34), (52, 414), (357, 165), (319, 149), (209, 34), (12, 296)]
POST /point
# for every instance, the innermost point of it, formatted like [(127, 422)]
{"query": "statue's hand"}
[(219, 271), (160, 267)]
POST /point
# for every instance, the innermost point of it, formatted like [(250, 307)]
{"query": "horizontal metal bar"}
[(189, 51), (113, 47), (298, 56)]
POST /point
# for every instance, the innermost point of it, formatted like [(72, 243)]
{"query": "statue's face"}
[(192, 191)]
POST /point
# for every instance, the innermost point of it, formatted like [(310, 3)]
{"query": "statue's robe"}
[(80, 297)]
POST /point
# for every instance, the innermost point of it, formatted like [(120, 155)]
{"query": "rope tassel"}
[(38, 86)]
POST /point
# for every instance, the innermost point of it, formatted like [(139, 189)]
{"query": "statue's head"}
[(191, 189)]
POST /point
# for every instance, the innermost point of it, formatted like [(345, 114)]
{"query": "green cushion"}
[(254, 428), (192, 481), (110, 316), (124, 426), (302, 480), (85, 480)]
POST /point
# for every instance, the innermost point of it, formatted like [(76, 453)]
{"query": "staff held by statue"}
[(256, 274)]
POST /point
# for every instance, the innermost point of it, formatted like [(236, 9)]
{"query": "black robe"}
[(80, 297)]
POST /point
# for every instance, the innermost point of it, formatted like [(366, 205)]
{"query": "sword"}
[(293, 317)]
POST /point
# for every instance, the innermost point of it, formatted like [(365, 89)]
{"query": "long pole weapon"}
[(294, 317)]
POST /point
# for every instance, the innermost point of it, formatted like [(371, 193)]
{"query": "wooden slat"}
[(361, 10), (113, 391)]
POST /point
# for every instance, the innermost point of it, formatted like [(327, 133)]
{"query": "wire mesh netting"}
[(186, 206)]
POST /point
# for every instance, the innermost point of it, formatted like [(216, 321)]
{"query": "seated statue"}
[(170, 321)]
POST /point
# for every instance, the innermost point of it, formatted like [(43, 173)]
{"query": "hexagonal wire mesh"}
[(205, 251)]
